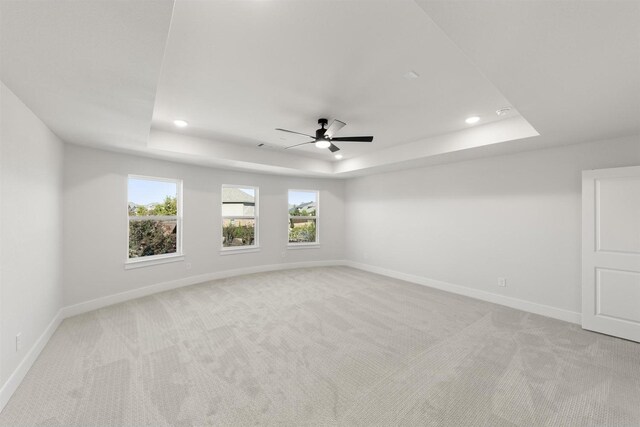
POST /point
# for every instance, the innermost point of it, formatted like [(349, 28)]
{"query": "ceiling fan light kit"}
[(323, 143), (324, 137)]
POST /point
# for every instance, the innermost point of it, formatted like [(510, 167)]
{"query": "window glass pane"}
[(238, 201), (238, 232), (149, 197), (152, 237), (303, 203), (302, 230)]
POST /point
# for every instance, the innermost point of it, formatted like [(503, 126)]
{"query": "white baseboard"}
[(18, 375), (519, 304), (101, 302)]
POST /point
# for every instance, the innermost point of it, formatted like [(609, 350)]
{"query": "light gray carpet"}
[(325, 346)]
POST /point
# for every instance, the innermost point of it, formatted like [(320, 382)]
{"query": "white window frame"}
[(228, 250), (304, 245), (178, 255)]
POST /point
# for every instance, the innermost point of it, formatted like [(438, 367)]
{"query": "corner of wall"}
[(31, 169)]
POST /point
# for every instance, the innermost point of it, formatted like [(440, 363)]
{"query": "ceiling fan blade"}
[(298, 133), (297, 145), (334, 128), (353, 139), (333, 148)]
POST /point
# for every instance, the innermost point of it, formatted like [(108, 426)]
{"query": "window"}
[(239, 217), (155, 217), (303, 217)]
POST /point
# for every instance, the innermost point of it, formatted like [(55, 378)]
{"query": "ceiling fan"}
[(325, 137)]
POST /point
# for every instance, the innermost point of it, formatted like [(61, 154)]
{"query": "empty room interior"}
[(320, 213)]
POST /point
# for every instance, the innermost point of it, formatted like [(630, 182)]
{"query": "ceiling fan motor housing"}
[(320, 132)]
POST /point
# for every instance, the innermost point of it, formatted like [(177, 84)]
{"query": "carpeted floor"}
[(325, 346)]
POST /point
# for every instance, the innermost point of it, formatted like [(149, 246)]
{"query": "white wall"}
[(95, 222), (515, 216), (30, 229)]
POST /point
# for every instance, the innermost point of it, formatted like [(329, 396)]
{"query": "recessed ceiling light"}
[(338, 156), (322, 143), (180, 123), (410, 75), (473, 119)]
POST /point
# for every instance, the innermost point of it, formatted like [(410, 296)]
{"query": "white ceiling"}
[(236, 70), (571, 67), (87, 69), (115, 74)]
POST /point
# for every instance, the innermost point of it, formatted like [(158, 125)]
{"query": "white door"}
[(611, 251)]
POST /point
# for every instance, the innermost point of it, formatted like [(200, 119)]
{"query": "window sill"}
[(239, 250), (152, 260), (303, 246)]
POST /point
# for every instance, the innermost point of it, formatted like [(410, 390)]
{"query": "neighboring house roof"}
[(235, 195), (308, 206)]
